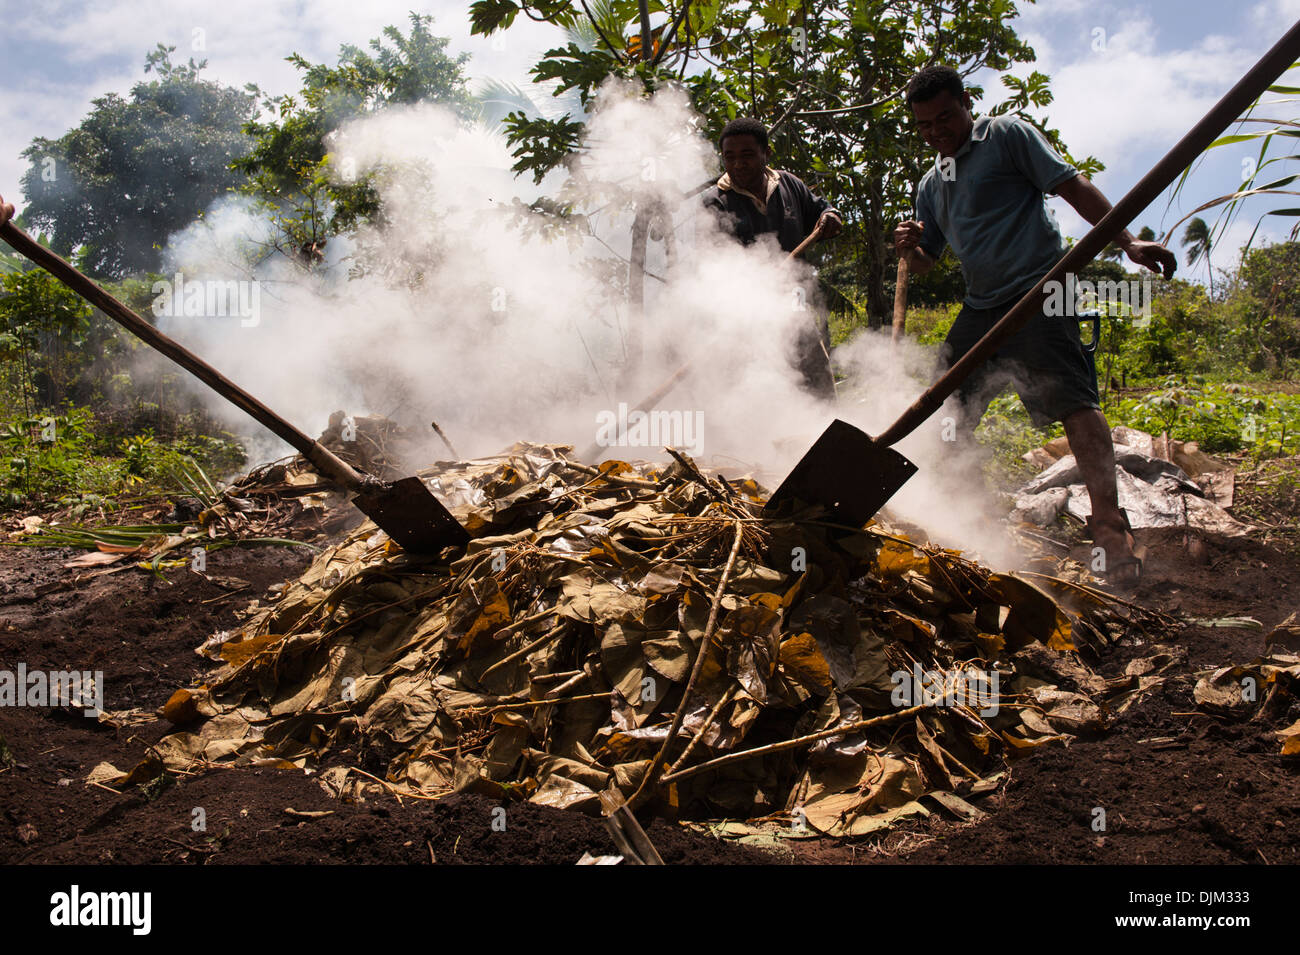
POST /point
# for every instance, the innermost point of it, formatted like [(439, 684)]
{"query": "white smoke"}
[(503, 324)]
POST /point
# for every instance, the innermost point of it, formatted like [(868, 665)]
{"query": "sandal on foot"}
[(1116, 570)]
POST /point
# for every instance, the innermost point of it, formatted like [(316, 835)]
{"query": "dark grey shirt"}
[(792, 212), (987, 203)]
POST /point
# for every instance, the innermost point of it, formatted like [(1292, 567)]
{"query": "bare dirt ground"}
[(1177, 786), (141, 632), (1217, 792)]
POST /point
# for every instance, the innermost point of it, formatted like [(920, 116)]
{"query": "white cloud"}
[(91, 47), (1275, 12), (40, 108), (1130, 97)]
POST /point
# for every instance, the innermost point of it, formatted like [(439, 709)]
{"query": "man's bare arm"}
[(1090, 203)]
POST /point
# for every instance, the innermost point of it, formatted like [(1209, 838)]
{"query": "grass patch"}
[(65, 458)]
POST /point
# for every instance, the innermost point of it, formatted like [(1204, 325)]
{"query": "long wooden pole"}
[(325, 460)]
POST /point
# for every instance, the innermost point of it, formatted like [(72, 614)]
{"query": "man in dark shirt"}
[(984, 200), (750, 200)]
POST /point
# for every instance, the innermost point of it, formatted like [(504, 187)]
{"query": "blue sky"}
[(1163, 65)]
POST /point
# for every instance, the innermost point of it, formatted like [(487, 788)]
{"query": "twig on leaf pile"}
[(1100, 595), (526, 649), (689, 466), (708, 722), (612, 478), (674, 775), (680, 715), (604, 695), (792, 743)]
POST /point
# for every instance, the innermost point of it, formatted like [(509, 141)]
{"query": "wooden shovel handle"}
[(324, 460), (812, 237), (900, 299)]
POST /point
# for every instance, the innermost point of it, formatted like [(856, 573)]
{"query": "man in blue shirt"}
[(984, 199)]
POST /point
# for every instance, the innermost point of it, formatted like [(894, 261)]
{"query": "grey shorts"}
[(1045, 362)]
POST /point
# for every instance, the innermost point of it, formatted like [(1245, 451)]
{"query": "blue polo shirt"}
[(988, 205)]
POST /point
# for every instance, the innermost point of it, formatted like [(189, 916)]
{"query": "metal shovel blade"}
[(847, 473), (411, 515)]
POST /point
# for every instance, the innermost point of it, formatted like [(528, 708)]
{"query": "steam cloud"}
[(503, 324)]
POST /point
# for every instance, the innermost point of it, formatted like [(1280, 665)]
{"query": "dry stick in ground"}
[(594, 451), (447, 441), (695, 671), (792, 743), (185, 845), (392, 790)]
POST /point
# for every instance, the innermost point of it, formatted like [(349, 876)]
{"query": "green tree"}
[(827, 79), (46, 337), (137, 169), (1272, 274), (289, 167)]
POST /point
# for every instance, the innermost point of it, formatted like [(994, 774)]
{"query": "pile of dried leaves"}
[(647, 630)]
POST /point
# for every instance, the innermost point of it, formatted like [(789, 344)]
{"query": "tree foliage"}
[(1272, 274), (289, 168), (826, 76), (138, 168), (47, 337)]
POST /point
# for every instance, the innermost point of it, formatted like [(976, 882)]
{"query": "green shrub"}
[(1222, 418), (71, 459), (929, 326)]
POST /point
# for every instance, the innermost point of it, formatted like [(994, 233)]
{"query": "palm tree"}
[(604, 26), (1116, 254), (1196, 240), (496, 99)]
